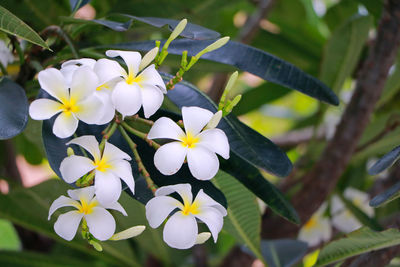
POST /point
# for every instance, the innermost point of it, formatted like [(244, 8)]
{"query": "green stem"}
[(140, 135), (138, 159), (3, 69), (108, 133), (63, 35), (136, 118)]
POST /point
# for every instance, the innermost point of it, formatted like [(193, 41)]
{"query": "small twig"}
[(56, 30), (136, 118), (140, 135), (138, 159), (113, 126)]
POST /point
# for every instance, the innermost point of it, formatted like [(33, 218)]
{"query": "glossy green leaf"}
[(13, 109), (250, 59), (113, 25), (34, 259), (343, 50), (11, 24), (356, 243), (283, 252), (385, 197), (9, 239), (244, 219), (385, 162), (338, 13)]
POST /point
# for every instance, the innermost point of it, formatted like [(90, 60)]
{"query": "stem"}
[(63, 35), (136, 118), (3, 69), (85, 180), (140, 135), (110, 131), (138, 159)]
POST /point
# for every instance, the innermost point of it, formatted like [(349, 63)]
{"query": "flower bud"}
[(128, 233), (215, 119), (148, 58), (96, 245), (202, 237), (214, 46), (178, 30), (70, 151)]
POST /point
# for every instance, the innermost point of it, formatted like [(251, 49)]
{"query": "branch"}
[(322, 179)]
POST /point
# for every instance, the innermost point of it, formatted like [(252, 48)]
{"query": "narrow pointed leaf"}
[(250, 59), (356, 243), (385, 162), (283, 252), (385, 197), (114, 25), (11, 24), (13, 109)]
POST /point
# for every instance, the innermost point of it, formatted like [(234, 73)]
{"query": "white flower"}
[(6, 56), (100, 222), (109, 167), (342, 218), (317, 229), (198, 146), (146, 89), (74, 104), (181, 230)]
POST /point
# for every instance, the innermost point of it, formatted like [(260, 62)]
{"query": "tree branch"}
[(322, 179)]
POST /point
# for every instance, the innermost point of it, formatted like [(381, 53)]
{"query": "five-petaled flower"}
[(145, 89), (100, 222), (109, 167), (199, 147), (181, 229), (317, 229), (74, 101)]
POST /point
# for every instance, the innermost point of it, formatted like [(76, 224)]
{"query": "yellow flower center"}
[(69, 106), (103, 86), (130, 79), (189, 140), (87, 208), (102, 164), (190, 208), (311, 223)]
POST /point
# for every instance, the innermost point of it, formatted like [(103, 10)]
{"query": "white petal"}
[(115, 206), (107, 69), (195, 118), (86, 194), (67, 72), (180, 231), (165, 128), (132, 59), (65, 125), (67, 224), (89, 62), (43, 109), (84, 83), (101, 223), (345, 222), (158, 209), (60, 202), (74, 167), (169, 158), (112, 152), (123, 170), (203, 163), (202, 237), (310, 236), (90, 110), (152, 98), (204, 200), (89, 143), (107, 187), (184, 190), (53, 82), (150, 76), (326, 229), (107, 107), (336, 205), (216, 141), (126, 98), (213, 219)]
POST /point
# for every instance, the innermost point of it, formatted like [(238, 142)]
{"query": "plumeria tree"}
[(150, 170)]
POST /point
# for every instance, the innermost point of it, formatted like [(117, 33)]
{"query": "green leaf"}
[(356, 243), (29, 207), (385, 162), (11, 24), (385, 197), (392, 85), (9, 239), (33, 259), (343, 51), (13, 109), (243, 220), (338, 13), (283, 252), (250, 59), (114, 25)]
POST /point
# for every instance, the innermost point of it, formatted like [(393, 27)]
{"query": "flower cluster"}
[(319, 227), (103, 92)]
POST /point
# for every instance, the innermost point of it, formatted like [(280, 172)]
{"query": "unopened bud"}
[(128, 233), (231, 104), (178, 30), (214, 46), (148, 58), (96, 245), (70, 151), (202, 237), (215, 119), (228, 87)]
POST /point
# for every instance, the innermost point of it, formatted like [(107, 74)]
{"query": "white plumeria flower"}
[(181, 229), (6, 56), (106, 81), (109, 167), (342, 218), (199, 147), (100, 222), (74, 104), (317, 229), (146, 89)]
